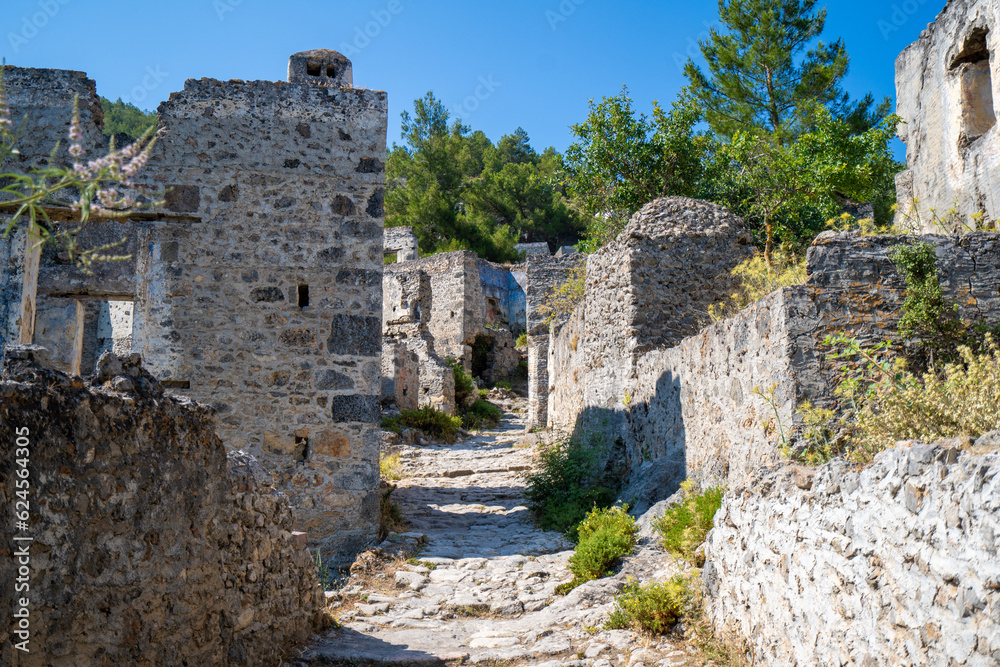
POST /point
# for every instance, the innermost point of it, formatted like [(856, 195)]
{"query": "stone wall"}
[(543, 275), (257, 286), (691, 410), (401, 241), (454, 305), (150, 545), (947, 85), (646, 290), (895, 564)]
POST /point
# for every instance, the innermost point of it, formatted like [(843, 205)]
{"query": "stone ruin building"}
[(448, 307), (946, 85), (256, 288), (635, 364)]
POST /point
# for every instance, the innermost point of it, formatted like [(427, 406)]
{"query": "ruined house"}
[(450, 306), (946, 85), (256, 288), (635, 366)]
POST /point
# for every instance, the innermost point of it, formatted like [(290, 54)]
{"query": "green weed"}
[(684, 526)]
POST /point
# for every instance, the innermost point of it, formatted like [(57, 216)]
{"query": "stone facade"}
[(257, 286), (947, 83), (401, 242), (895, 564), (533, 249), (150, 545)]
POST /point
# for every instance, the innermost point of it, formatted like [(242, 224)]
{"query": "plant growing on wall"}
[(563, 300), (99, 189)]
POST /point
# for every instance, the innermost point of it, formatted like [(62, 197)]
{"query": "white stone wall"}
[(948, 165), (893, 565)]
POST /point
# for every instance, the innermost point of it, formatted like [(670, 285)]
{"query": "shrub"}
[(465, 388), (961, 399), (504, 384), (563, 300), (568, 484), (388, 467), (684, 526), (326, 578), (757, 279), (522, 341), (433, 422), (392, 424), (482, 414), (816, 444), (605, 536), (653, 608)]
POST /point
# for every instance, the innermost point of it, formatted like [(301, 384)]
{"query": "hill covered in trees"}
[(125, 118), (459, 190)]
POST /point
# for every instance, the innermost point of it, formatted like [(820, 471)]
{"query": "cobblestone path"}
[(483, 591)]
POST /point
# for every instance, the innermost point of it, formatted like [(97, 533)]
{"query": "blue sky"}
[(528, 63)]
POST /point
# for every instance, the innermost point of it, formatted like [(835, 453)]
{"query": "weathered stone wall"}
[(543, 275), (646, 290), (400, 375), (895, 564), (257, 287), (694, 411), (505, 300), (691, 410), (406, 313), (947, 86), (469, 310), (456, 314), (12, 254), (149, 547), (403, 242)]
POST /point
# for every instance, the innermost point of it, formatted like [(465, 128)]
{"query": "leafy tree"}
[(459, 191), (762, 72), (621, 161), (788, 191), (125, 118)]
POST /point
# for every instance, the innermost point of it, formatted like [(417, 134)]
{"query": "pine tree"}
[(760, 73)]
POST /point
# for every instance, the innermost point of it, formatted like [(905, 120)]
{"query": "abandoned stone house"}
[(449, 306), (946, 85), (255, 288)]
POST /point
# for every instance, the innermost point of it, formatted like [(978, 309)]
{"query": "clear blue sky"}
[(533, 63)]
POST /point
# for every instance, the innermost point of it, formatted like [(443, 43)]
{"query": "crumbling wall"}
[(703, 408), (893, 564), (544, 274), (257, 286), (406, 313), (149, 546), (400, 375), (401, 241), (646, 290), (947, 89), (504, 299)]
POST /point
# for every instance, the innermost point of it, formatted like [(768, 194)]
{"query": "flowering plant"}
[(98, 189)]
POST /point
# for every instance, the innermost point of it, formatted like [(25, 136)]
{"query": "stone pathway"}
[(483, 591)]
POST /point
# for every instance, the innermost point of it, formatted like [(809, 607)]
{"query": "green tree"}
[(459, 191), (788, 191), (621, 161), (769, 71), (125, 118)]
